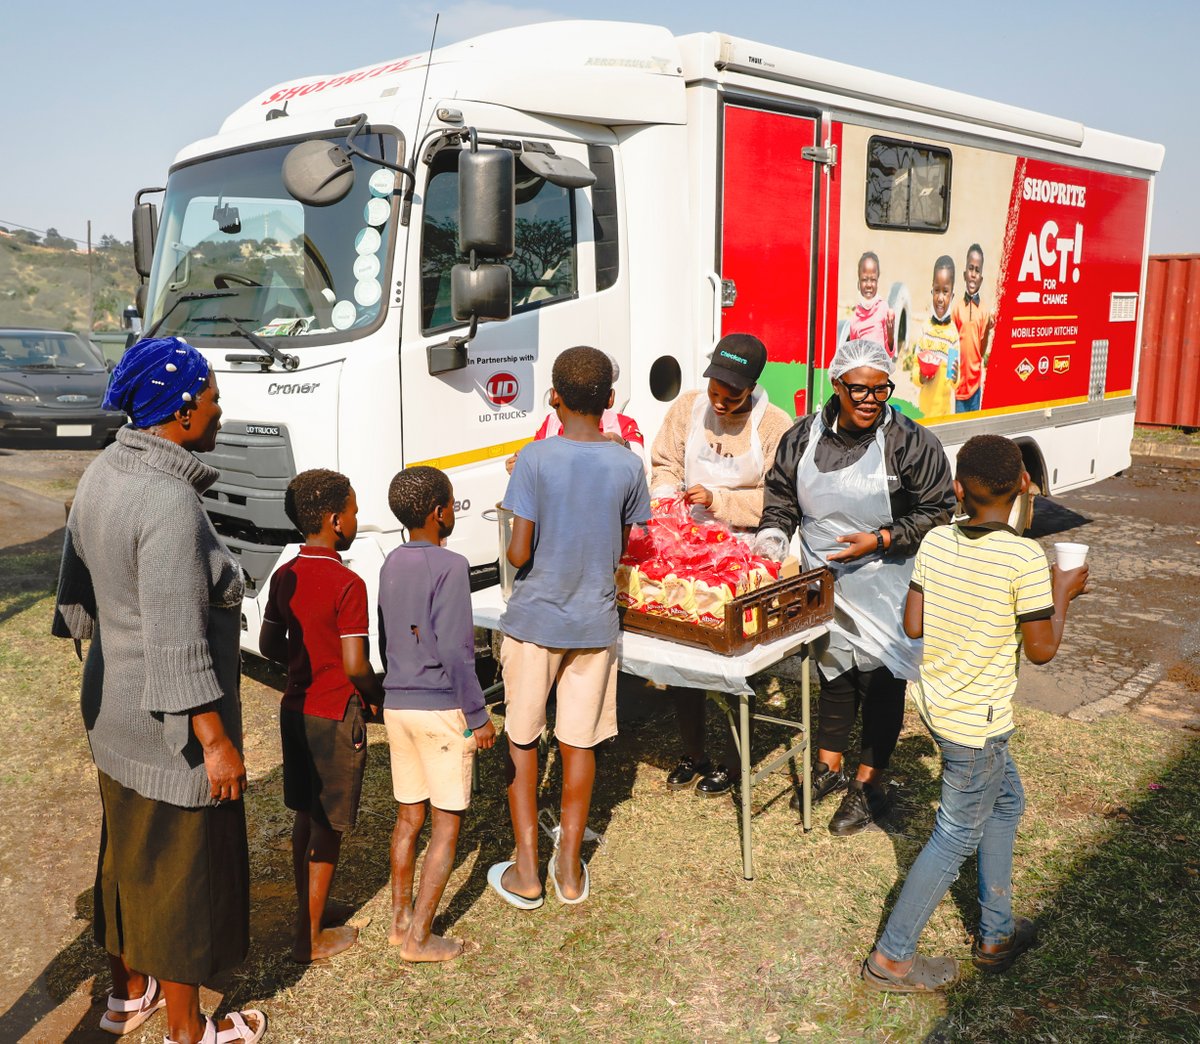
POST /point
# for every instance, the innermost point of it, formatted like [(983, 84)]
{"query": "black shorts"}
[(323, 763)]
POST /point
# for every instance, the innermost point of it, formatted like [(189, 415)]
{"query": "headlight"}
[(13, 399)]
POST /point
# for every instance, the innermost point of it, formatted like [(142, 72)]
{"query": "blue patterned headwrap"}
[(154, 378)]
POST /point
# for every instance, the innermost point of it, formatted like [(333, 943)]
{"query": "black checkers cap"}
[(738, 360)]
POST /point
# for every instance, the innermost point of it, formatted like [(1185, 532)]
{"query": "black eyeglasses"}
[(861, 392)]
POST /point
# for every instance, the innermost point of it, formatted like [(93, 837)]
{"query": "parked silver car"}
[(51, 385)]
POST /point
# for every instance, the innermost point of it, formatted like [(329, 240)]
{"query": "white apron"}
[(869, 593), (703, 466)]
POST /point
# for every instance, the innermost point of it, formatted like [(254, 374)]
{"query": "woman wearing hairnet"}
[(864, 484)]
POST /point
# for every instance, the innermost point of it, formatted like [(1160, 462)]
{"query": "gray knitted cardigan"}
[(146, 579)]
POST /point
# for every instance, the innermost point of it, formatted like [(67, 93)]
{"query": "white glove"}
[(771, 544)]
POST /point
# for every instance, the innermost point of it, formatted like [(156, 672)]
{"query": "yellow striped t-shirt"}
[(980, 582)]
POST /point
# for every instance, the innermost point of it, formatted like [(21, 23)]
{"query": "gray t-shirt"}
[(579, 496)]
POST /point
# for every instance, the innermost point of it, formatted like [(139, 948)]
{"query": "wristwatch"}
[(879, 540)]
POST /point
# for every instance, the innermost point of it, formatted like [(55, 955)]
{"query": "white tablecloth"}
[(669, 663)]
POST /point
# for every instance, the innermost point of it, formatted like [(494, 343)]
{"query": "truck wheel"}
[(900, 302), (1021, 517)]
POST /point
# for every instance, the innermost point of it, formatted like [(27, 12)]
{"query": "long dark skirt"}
[(172, 885)]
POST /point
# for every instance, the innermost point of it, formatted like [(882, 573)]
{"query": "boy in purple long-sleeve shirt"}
[(433, 706)]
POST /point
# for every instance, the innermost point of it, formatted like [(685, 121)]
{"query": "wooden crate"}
[(779, 609)]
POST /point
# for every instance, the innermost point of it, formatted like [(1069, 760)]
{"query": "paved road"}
[(1135, 639)]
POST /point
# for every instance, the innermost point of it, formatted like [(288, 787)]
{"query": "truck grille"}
[(246, 503)]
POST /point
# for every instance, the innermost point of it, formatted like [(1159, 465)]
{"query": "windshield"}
[(239, 250), (40, 350)]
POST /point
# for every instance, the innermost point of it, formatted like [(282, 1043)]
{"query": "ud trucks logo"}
[(72, 398), (1062, 363), (1024, 369), (502, 389)]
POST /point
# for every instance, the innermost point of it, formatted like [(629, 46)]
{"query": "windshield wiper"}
[(270, 355), (193, 295)]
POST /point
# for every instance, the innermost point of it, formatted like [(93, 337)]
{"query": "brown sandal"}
[(927, 975)]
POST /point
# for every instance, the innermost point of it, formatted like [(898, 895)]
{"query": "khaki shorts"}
[(587, 692), (431, 758)]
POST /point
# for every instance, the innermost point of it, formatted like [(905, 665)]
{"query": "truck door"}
[(766, 248), (468, 421)]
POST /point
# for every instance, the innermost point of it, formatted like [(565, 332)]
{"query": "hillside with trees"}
[(44, 281)]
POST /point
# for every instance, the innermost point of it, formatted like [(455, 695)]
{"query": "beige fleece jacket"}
[(728, 435)]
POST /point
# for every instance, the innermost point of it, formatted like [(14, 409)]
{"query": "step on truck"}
[(382, 264)]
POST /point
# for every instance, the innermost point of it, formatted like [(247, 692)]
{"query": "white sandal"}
[(240, 1032), (143, 1007)]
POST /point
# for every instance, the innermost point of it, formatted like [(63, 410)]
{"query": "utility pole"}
[(91, 319)]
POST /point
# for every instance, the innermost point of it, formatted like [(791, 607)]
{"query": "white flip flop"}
[(587, 884), (495, 877), (143, 1007)]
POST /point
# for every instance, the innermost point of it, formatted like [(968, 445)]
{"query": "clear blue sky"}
[(96, 99)]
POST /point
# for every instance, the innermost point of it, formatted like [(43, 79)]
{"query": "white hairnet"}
[(859, 352)]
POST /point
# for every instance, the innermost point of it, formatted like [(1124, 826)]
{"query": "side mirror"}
[(318, 173), (145, 235), (487, 203), (482, 293)]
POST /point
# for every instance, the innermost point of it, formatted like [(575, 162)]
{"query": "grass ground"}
[(673, 945)]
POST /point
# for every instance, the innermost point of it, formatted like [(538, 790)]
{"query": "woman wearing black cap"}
[(715, 449)]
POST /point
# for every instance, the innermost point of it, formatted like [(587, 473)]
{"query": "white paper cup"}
[(1070, 556)]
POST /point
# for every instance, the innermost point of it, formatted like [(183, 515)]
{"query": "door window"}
[(543, 263)]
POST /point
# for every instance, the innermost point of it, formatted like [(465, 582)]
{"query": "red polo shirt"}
[(320, 601)]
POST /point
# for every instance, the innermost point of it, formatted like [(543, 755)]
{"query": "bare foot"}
[(434, 948), (512, 882), (570, 885), (401, 919), (337, 913), (328, 942)]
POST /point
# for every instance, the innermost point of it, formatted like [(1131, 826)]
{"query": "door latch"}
[(728, 293), (826, 155)]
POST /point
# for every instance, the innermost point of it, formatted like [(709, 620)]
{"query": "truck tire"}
[(900, 302)]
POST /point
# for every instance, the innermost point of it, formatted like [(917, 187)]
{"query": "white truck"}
[(338, 248)]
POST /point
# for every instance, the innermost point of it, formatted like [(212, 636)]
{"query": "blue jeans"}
[(971, 404), (982, 801)]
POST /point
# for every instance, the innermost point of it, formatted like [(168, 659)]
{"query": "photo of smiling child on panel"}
[(938, 330)]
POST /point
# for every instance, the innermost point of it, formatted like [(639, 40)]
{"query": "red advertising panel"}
[(767, 240), (1067, 290)]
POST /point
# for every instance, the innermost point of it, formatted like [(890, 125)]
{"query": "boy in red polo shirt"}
[(316, 622)]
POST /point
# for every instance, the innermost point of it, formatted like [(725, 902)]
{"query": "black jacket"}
[(919, 480)]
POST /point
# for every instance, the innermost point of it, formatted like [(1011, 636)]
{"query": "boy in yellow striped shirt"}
[(978, 592)]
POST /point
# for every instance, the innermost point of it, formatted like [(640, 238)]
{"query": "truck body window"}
[(543, 263), (604, 216), (908, 186)]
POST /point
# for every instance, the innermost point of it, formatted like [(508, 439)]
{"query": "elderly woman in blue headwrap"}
[(863, 483), (145, 578)]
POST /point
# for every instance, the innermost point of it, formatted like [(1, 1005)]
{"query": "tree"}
[(108, 242), (53, 239)]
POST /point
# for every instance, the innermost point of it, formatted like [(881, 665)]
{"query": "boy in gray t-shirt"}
[(575, 498)]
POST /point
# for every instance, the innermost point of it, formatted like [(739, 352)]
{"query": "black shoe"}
[(862, 806), (715, 783), (824, 783), (687, 773)]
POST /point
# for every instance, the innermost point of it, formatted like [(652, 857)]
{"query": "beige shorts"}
[(587, 692), (431, 758)]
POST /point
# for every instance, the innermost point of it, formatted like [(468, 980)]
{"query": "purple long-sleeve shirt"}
[(426, 634)]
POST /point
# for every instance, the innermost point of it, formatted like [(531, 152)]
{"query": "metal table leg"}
[(747, 783), (806, 771)]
